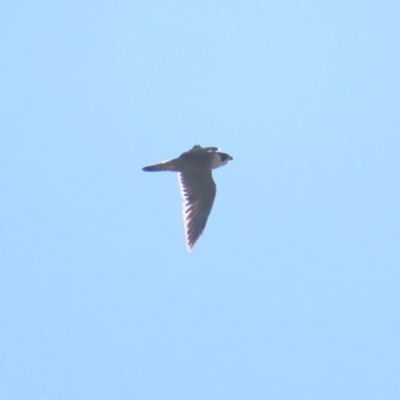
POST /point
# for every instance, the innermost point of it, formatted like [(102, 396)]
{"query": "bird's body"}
[(197, 185)]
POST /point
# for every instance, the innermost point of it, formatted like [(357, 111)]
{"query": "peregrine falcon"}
[(198, 188)]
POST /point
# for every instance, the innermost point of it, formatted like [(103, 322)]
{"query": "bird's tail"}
[(165, 166)]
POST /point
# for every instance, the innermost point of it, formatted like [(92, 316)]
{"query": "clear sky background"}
[(293, 291)]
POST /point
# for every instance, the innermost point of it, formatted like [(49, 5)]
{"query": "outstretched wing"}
[(198, 192)]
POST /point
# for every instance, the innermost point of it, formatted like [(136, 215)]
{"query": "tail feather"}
[(153, 168), (165, 166)]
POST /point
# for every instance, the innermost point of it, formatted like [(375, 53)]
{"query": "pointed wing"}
[(198, 192)]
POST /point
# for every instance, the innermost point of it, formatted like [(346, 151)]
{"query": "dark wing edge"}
[(198, 191)]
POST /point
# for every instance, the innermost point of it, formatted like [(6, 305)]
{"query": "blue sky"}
[(293, 290)]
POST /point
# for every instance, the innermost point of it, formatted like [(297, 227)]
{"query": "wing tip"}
[(190, 245)]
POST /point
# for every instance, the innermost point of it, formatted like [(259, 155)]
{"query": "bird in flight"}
[(198, 188)]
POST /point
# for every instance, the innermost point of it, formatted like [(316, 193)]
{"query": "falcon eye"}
[(224, 156)]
